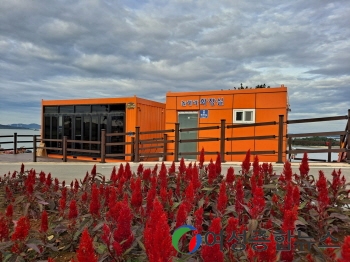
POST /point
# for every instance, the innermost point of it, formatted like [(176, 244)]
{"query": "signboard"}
[(130, 105), (204, 102), (203, 113)]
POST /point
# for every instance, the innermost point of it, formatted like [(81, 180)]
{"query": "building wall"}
[(268, 103)]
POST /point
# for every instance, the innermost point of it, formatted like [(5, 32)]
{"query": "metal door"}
[(188, 120)]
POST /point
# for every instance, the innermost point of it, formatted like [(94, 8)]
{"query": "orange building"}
[(207, 108), (83, 119)]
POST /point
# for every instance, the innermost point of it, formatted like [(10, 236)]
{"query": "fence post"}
[(34, 148), (222, 140), (64, 148), (289, 147), (132, 149), (165, 148), (137, 144), (176, 146), (15, 143), (348, 134), (329, 152), (280, 139), (103, 146)]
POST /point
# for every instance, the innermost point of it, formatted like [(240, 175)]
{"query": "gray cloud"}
[(80, 49)]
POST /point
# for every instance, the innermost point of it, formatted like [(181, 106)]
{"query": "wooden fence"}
[(138, 146)]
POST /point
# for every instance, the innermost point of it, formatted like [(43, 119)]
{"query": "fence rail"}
[(139, 147)]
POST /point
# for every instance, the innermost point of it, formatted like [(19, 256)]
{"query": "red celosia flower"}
[(112, 197), (57, 184), (246, 163), (163, 178), (201, 158), (218, 164), (157, 238), (95, 202), (182, 166), (189, 196), (62, 205), (230, 177), (239, 196), (289, 217), (84, 197), (22, 168), (181, 216), (304, 166), (42, 177), (151, 194), (212, 175), (172, 168), (113, 176), (288, 198), (188, 176), (287, 171), (322, 189), (50, 260), (139, 169), (213, 253), (120, 171), (93, 171), (106, 236), (345, 250), (136, 197), (44, 222), (4, 229), (296, 195), (49, 180), (195, 178), (232, 224), (76, 186), (269, 255), (146, 175), (274, 199), (258, 203), (127, 172), (222, 199), (73, 210), (117, 248), (123, 233), (256, 166), (198, 220), (9, 211), (21, 230), (86, 249), (163, 196), (155, 169)]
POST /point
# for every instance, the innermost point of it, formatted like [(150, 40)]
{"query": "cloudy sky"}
[(88, 48)]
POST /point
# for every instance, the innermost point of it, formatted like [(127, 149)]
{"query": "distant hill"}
[(10, 127), (28, 126), (20, 126)]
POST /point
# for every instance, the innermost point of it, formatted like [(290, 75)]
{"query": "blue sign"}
[(203, 113)]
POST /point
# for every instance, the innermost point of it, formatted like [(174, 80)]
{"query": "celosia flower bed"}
[(132, 216)]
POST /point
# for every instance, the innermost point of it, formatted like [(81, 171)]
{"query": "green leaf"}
[(141, 244), (100, 248), (302, 205)]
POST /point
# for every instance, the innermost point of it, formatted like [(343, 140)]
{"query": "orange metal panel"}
[(171, 117), (278, 99), (215, 116), (267, 115), (241, 101), (171, 102)]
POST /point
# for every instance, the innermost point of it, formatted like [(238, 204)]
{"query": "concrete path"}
[(70, 170)]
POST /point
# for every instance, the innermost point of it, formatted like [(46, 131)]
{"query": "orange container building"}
[(207, 108), (83, 119)]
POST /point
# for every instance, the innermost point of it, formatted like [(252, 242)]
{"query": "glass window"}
[(116, 107), (239, 116), (99, 108), (83, 109), (50, 109), (244, 116), (66, 109)]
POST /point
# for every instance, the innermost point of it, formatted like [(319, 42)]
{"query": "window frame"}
[(244, 121)]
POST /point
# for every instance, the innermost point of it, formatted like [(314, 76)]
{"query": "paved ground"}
[(77, 169)]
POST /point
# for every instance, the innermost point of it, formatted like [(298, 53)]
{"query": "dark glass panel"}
[(51, 109), (86, 131), (99, 108), (83, 109), (78, 131), (117, 107), (47, 129), (66, 109), (94, 131), (54, 122)]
